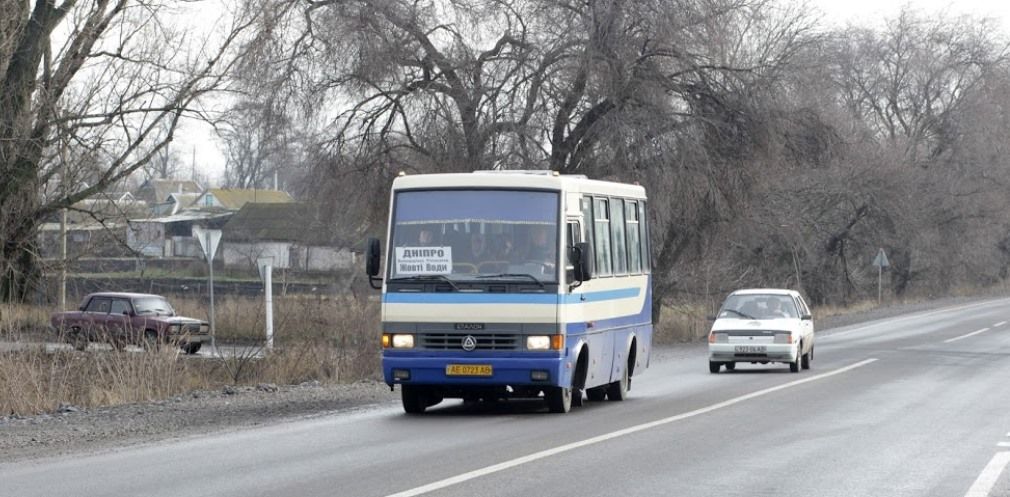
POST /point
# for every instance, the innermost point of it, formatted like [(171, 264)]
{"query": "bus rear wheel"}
[(618, 390)]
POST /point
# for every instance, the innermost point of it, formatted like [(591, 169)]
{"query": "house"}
[(106, 207), (155, 191), (91, 239), (233, 199), (172, 236), (176, 203), (291, 233)]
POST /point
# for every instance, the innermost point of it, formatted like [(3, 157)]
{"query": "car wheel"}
[(713, 367), (794, 367), (730, 366), (415, 399), (77, 339), (808, 358), (596, 394), (559, 399), (191, 348), (150, 340), (618, 390)]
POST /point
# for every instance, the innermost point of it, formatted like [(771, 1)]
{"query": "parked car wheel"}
[(150, 340), (77, 339), (191, 348)]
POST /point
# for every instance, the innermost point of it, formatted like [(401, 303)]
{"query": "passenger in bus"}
[(541, 250), (426, 238), (478, 251)]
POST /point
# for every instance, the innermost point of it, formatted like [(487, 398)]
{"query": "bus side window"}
[(634, 239), (643, 225), (601, 232)]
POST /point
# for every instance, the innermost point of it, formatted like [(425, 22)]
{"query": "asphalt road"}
[(913, 406)]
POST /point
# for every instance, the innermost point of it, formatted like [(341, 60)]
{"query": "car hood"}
[(173, 319), (784, 324)]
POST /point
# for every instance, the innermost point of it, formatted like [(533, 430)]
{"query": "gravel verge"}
[(73, 430)]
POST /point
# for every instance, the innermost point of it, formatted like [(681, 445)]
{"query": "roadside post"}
[(209, 240), (881, 262), (265, 265)]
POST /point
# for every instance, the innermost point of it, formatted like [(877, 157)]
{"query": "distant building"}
[(172, 236), (233, 199), (156, 191), (290, 233)]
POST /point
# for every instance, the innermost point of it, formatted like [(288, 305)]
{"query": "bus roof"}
[(539, 179)]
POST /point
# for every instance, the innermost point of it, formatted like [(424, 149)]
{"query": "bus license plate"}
[(751, 349), (468, 370)]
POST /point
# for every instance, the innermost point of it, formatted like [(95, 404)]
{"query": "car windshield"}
[(475, 235), (758, 306), (153, 305)]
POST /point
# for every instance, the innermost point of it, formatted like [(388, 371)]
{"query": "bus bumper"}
[(511, 371)]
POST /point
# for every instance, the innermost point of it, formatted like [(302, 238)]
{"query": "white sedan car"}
[(762, 326)]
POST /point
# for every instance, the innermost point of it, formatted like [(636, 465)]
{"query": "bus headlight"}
[(403, 341), (538, 342)]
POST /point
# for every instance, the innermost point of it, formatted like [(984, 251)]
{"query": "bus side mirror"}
[(372, 260), (582, 259)]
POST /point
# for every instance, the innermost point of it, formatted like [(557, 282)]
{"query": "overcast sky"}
[(210, 160)]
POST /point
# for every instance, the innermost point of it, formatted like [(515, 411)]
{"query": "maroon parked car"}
[(129, 318)]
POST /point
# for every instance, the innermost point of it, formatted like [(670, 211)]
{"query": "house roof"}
[(158, 190), (291, 222), (233, 198), (183, 216)]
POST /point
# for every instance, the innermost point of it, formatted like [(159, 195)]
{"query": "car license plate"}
[(468, 370), (750, 349)]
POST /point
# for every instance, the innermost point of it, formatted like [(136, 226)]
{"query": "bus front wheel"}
[(559, 399), (416, 399)]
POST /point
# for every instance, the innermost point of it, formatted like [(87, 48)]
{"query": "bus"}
[(513, 284)]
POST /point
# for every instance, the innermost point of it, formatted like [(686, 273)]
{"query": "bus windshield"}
[(475, 234)]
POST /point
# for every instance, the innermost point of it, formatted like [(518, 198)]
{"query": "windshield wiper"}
[(513, 275), (748, 316), (423, 277)]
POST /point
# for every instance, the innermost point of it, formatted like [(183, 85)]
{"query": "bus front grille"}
[(450, 341)]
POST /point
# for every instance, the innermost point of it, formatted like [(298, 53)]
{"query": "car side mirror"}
[(582, 260), (373, 260), (806, 317), (126, 313), (710, 317)]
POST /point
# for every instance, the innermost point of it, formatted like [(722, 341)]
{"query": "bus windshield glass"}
[(475, 235)]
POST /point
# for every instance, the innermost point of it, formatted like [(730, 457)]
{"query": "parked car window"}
[(120, 306), (99, 305), (153, 305)]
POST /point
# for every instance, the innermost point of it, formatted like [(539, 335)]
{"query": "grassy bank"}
[(315, 339)]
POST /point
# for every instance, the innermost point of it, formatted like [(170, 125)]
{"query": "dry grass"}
[(682, 323), (34, 381), (329, 340), (18, 320)]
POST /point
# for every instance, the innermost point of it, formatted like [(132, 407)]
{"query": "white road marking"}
[(893, 320), (1003, 444), (477, 473), (990, 475), (962, 337), (997, 325)]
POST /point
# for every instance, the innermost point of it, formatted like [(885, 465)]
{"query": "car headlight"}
[(403, 341), (538, 342)]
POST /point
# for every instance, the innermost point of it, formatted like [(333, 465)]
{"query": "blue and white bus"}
[(514, 284)]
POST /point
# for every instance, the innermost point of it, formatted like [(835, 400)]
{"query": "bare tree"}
[(88, 78)]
